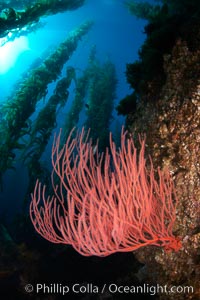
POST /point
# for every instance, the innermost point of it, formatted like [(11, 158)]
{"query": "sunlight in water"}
[(10, 52)]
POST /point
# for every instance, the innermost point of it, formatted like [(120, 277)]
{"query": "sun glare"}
[(10, 52)]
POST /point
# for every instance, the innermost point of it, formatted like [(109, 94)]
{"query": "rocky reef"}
[(171, 122)]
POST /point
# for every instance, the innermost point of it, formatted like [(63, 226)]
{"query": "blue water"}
[(116, 34)]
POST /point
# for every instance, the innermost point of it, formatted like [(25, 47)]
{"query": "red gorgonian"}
[(105, 202)]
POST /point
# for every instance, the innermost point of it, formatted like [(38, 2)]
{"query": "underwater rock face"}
[(172, 125)]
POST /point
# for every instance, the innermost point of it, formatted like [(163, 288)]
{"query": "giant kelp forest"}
[(164, 103), (29, 117)]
